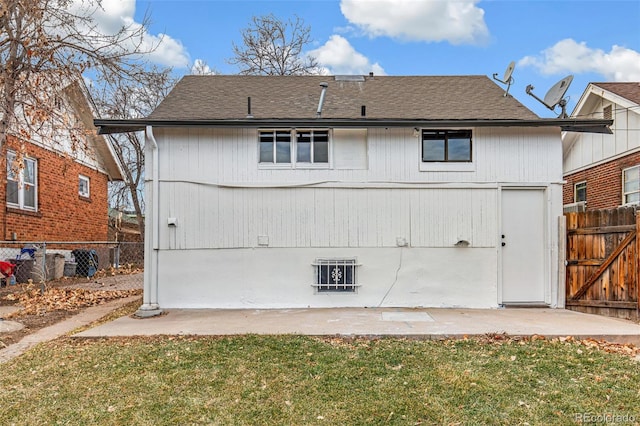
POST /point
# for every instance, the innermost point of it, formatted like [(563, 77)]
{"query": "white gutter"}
[(150, 305)]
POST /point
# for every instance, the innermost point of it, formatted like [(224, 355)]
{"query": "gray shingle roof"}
[(224, 97), (630, 90)]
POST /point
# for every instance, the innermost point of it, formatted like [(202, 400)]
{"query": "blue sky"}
[(548, 40)]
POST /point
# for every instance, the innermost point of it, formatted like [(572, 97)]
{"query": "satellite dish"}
[(506, 79), (555, 95)]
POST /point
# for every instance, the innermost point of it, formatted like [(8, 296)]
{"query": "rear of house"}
[(361, 191)]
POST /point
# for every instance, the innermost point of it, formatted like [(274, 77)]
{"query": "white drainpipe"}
[(150, 305)]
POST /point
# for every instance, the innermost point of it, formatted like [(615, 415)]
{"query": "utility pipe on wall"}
[(150, 305)]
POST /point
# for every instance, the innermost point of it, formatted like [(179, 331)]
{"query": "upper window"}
[(275, 146), (22, 186), (580, 192), (312, 146), (631, 185), (446, 146), (278, 147), (84, 189)]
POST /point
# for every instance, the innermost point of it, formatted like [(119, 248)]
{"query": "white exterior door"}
[(522, 245)]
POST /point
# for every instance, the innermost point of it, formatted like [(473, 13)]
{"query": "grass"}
[(305, 380)]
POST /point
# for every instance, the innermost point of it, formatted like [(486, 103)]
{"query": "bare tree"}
[(128, 99), (44, 46), (271, 46)]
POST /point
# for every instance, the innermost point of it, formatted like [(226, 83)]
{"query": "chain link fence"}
[(39, 262)]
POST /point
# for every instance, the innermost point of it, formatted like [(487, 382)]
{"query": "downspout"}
[(150, 307)]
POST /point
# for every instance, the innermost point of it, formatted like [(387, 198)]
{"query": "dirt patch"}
[(62, 299), (33, 323)]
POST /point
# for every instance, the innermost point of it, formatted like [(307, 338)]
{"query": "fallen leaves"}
[(34, 302)]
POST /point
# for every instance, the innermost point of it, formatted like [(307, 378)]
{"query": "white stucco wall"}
[(282, 278)]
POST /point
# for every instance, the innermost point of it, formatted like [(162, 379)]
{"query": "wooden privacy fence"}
[(603, 250)]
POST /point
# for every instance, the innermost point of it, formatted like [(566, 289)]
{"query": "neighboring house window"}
[(275, 146), (312, 146), (631, 185), (22, 187), (336, 275), (580, 192), (84, 189), (446, 145)]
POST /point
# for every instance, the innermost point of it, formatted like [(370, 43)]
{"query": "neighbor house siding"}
[(589, 149), (62, 215)]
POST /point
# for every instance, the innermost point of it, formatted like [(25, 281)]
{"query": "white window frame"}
[(625, 194), (86, 179), (575, 191), (293, 150), (335, 275), (21, 184)]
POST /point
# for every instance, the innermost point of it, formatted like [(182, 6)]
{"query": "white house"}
[(603, 170), (359, 191)]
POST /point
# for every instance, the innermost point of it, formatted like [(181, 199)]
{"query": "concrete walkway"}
[(423, 323), (62, 328)]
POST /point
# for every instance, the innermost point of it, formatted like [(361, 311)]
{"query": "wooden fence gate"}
[(603, 265)]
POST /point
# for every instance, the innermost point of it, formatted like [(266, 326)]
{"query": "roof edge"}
[(107, 126)]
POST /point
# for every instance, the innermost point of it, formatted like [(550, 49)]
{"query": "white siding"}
[(214, 217), (591, 148), (226, 203), (229, 156)]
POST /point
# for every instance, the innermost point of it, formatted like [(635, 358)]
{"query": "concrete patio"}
[(419, 323)]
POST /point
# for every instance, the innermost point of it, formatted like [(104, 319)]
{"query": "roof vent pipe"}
[(322, 95), (249, 115)]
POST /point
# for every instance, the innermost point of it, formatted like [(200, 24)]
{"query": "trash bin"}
[(70, 269), (87, 262), (24, 269), (55, 266)]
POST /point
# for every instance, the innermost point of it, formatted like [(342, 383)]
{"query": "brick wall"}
[(62, 214), (604, 182)]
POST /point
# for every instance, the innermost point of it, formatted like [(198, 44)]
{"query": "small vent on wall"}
[(607, 112)]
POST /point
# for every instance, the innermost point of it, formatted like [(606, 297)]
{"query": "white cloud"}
[(619, 64), (458, 22), (337, 56), (200, 67), (114, 15)]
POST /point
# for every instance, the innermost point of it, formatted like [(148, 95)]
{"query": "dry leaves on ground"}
[(63, 299), (617, 348)]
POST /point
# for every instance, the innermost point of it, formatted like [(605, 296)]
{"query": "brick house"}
[(59, 194), (603, 170)]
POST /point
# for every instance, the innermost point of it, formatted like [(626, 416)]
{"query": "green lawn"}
[(305, 380)]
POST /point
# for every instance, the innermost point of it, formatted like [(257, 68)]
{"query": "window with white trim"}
[(22, 182), (312, 146), (631, 185), (275, 146), (446, 146), (580, 192), (84, 186), (336, 275), (294, 147)]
